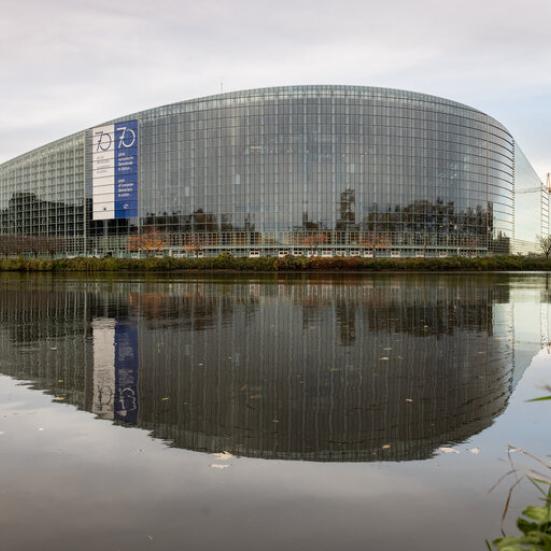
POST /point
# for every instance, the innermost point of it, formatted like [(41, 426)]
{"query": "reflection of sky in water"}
[(123, 487)]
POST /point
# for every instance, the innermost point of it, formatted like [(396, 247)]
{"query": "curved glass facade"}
[(304, 170)]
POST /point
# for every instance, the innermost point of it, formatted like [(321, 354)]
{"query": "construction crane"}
[(547, 187), (533, 190)]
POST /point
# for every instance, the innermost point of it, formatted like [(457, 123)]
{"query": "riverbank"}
[(274, 264)]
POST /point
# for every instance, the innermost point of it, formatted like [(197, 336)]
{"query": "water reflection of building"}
[(315, 370)]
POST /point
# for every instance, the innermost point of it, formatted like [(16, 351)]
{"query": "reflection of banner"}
[(126, 373), (115, 171), (104, 374)]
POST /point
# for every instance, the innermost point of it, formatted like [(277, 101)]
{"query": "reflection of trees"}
[(26, 213), (37, 226), (346, 319), (425, 223), (420, 225), (27, 315), (201, 229), (418, 310), (194, 307)]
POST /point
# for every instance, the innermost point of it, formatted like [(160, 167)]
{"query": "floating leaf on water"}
[(164, 398), (223, 456), (386, 446), (448, 450), (384, 358)]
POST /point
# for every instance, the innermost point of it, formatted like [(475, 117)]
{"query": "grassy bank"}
[(271, 264)]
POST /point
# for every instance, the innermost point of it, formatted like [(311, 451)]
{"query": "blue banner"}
[(126, 169), (127, 364)]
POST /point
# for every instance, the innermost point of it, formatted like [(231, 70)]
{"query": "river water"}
[(275, 412)]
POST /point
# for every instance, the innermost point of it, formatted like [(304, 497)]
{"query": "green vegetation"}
[(545, 245), (535, 525), (535, 521), (275, 264)]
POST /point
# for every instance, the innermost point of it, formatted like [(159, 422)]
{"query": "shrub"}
[(271, 264)]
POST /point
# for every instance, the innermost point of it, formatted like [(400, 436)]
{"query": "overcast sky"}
[(71, 64)]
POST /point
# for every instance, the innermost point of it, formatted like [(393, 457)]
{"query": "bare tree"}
[(193, 246), (151, 241), (545, 244), (315, 241)]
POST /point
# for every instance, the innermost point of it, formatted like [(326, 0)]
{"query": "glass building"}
[(306, 170)]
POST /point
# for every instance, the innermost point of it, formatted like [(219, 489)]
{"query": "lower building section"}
[(198, 247)]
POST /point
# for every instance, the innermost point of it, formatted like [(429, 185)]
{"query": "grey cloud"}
[(67, 65)]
